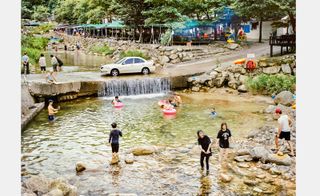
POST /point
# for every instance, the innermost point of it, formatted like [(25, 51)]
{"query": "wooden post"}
[(271, 50), (281, 50)]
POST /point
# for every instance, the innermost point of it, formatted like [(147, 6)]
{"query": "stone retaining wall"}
[(235, 76)]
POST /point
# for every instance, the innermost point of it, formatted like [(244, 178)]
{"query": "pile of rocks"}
[(40, 185), (235, 76)]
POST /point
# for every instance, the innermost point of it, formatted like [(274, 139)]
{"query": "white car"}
[(129, 65)]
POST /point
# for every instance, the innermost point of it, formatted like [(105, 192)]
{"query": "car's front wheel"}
[(145, 71), (114, 72)]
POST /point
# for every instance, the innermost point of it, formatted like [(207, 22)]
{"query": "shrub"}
[(39, 43), (42, 29), (271, 84), (104, 49), (166, 38), (136, 53)]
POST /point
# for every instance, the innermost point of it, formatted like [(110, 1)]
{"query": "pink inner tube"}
[(170, 111), (162, 102), (118, 105)]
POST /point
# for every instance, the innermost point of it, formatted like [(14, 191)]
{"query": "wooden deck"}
[(284, 41)]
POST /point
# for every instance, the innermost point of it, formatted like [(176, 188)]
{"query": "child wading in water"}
[(114, 141), (52, 111), (223, 138), (204, 143)]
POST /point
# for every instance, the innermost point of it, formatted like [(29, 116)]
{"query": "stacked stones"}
[(235, 76)]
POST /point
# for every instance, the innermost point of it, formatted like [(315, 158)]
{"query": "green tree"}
[(262, 10), (64, 11), (40, 13), (287, 7)]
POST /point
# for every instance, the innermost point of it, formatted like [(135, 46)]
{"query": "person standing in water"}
[(52, 111), (114, 136), (223, 139), (204, 143)]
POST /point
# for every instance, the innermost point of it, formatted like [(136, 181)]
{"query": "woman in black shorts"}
[(223, 139), (204, 143)]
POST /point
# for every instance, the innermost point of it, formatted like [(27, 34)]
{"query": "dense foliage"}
[(33, 46), (135, 53), (271, 84), (104, 49)]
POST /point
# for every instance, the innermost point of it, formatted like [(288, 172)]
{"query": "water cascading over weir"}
[(125, 87)]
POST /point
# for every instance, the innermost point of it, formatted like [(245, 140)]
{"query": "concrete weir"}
[(37, 92)]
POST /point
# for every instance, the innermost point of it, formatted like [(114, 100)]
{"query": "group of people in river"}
[(223, 139)]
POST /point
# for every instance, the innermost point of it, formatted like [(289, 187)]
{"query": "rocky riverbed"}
[(251, 167)]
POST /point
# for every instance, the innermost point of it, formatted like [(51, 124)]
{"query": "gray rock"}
[(286, 69), (225, 177), (233, 84), (232, 46), (243, 165), (173, 56), (218, 82), (250, 182), (243, 158), (242, 79), (256, 189), (164, 59), (143, 150), (195, 89), (259, 152), (271, 70), (284, 98), (279, 160), (38, 184), (242, 88), (242, 151), (54, 192), (265, 166)]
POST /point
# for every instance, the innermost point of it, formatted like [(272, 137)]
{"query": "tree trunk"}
[(198, 17), (208, 16), (260, 31), (292, 22)]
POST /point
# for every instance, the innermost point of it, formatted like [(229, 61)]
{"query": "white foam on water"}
[(143, 96)]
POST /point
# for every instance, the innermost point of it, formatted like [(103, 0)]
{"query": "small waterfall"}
[(122, 87)]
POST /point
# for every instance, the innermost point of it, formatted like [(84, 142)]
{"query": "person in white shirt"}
[(284, 123), (54, 63), (25, 62), (42, 63)]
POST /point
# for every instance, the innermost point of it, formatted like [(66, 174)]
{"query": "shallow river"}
[(81, 130)]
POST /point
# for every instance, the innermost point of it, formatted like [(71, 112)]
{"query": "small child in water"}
[(115, 100), (213, 112)]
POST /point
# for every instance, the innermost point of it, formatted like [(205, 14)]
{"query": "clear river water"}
[(80, 134)]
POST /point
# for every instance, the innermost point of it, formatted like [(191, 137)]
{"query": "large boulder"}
[(286, 69), (284, 98), (279, 160), (259, 152), (143, 150), (242, 88), (271, 70), (63, 186), (164, 59), (38, 184)]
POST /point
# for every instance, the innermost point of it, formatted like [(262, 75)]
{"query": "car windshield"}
[(119, 61)]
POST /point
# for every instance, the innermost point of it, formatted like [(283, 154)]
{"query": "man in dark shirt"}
[(114, 139), (204, 143)]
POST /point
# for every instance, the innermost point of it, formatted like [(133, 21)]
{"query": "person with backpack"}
[(54, 63), (60, 63)]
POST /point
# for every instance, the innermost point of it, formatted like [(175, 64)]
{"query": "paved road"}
[(187, 68), (222, 60)]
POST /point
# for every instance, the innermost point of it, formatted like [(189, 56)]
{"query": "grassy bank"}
[(101, 49), (33, 46), (271, 84), (136, 53)]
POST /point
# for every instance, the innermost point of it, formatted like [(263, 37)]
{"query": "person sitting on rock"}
[(50, 78), (114, 136), (115, 100), (284, 124), (52, 111)]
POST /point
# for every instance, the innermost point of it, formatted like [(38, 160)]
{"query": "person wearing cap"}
[(52, 111), (114, 136), (284, 123)]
